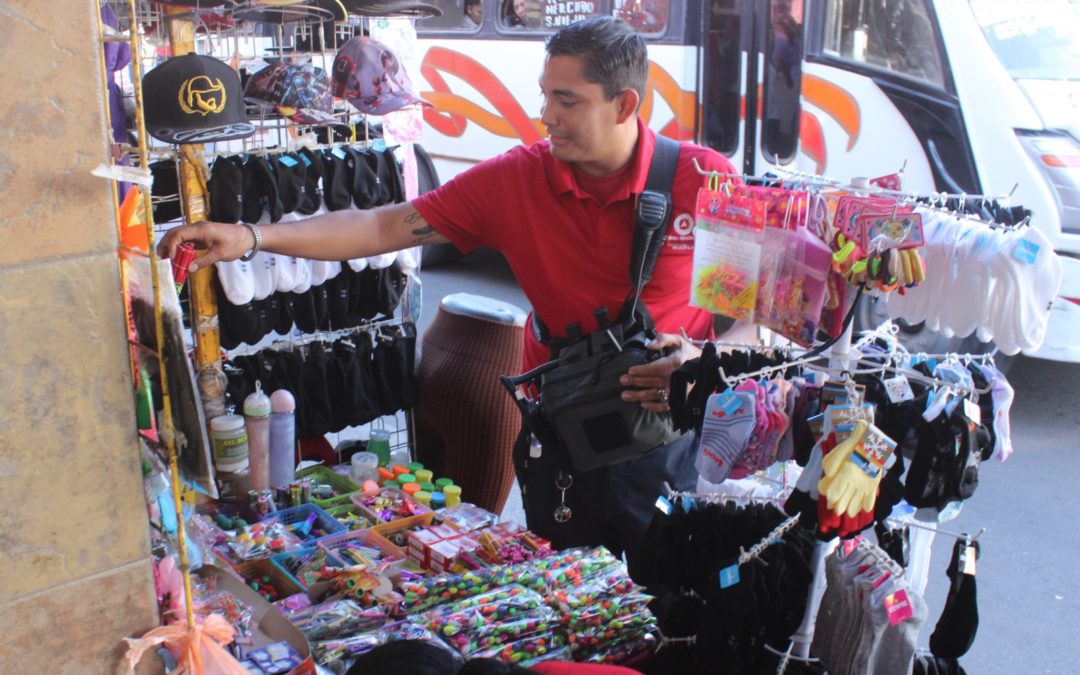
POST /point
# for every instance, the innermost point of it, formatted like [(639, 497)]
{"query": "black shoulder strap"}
[(653, 213), (662, 169)]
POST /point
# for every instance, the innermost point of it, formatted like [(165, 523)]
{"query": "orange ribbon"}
[(200, 651)]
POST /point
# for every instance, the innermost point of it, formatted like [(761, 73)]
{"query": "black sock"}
[(955, 630)]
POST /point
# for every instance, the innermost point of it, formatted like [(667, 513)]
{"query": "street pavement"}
[(1029, 602)]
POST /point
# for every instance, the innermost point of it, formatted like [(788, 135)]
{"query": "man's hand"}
[(652, 381), (220, 241)]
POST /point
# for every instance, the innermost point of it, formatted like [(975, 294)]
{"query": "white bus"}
[(969, 96)]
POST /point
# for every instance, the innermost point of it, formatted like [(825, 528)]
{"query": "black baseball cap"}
[(194, 99)]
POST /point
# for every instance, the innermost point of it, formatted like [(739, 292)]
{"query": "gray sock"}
[(847, 643), (830, 613), (895, 653)]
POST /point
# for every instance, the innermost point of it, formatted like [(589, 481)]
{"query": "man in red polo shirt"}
[(562, 213)]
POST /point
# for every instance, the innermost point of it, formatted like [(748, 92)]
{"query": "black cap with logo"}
[(194, 99)]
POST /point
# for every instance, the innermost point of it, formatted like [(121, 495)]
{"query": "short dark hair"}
[(614, 55), (482, 666), (415, 657), (471, 2)]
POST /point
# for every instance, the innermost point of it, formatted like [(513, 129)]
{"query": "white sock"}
[(320, 271), (262, 267), (378, 262), (237, 280), (971, 285), (1037, 287), (409, 259), (303, 275)]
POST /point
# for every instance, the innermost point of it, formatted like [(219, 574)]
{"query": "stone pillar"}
[(76, 574)]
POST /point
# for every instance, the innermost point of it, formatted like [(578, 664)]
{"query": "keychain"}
[(563, 512)]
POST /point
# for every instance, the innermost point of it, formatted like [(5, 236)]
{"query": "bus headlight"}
[(1057, 154)]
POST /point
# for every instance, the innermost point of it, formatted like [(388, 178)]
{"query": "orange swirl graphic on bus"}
[(452, 113)]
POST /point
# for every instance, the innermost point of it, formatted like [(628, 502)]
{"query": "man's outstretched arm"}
[(338, 235)]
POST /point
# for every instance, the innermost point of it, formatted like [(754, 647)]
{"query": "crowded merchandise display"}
[(815, 465)]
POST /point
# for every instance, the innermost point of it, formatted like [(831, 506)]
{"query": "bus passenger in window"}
[(474, 14), (784, 73), (515, 14)]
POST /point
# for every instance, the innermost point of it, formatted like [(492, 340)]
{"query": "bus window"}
[(546, 16), (457, 15), (783, 79), (648, 17), (721, 76), (895, 35), (521, 14)]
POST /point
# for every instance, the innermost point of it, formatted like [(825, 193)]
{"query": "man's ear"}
[(627, 105)]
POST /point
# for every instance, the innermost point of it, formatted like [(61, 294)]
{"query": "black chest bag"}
[(579, 407)]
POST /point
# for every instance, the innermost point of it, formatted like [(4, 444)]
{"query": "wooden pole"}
[(211, 377)]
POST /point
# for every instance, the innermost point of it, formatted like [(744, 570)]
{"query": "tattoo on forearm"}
[(412, 217), (422, 233)]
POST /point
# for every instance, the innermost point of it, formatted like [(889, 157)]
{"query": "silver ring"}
[(661, 395)]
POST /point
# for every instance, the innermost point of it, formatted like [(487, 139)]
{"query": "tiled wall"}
[(75, 576)]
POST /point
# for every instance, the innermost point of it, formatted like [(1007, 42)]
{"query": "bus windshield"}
[(1034, 39)]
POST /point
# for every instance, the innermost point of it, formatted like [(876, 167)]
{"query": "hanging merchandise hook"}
[(768, 540)]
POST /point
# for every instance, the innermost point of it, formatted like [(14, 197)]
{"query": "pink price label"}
[(898, 607)]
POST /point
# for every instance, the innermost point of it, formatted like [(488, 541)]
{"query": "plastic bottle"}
[(365, 466), (230, 443), (452, 494), (257, 411), (400, 455), (379, 443), (282, 437)]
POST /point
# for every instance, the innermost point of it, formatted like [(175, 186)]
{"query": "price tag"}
[(1026, 251), (663, 505), (728, 402), (338, 152), (897, 607), (972, 412), (898, 389), (287, 161), (967, 560), (729, 576), (873, 452)]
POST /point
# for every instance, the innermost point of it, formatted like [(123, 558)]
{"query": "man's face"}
[(476, 12), (581, 123)]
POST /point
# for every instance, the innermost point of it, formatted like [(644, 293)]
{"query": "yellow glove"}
[(832, 462), (852, 489)]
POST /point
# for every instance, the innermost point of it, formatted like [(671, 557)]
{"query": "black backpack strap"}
[(653, 215)]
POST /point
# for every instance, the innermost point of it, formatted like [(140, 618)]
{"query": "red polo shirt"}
[(569, 252)]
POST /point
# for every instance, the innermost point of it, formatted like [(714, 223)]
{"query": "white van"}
[(968, 96)]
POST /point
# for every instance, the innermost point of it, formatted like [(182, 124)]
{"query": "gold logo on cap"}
[(202, 95)]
